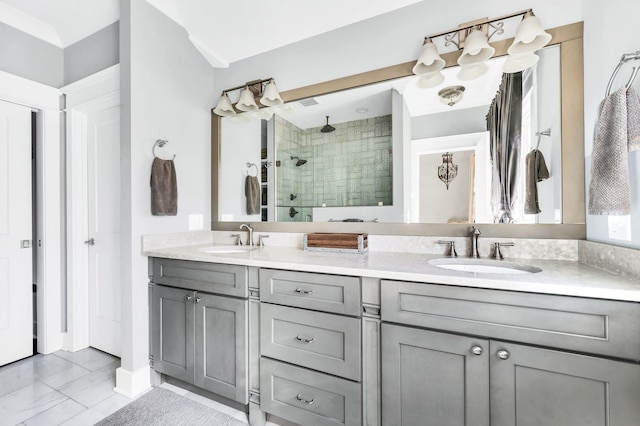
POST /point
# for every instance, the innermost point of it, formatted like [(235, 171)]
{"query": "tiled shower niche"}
[(351, 166)]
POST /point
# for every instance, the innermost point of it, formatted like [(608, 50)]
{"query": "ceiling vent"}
[(308, 102)]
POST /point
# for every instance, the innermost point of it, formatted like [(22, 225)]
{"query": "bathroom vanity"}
[(389, 339)]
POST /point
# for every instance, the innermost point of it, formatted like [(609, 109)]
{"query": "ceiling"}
[(223, 31)]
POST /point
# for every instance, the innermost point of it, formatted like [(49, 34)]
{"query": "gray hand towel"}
[(164, 188), (536, 172), (252, 191), (617, 132)]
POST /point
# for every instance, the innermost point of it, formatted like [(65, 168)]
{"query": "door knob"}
[(502, 354), (90, 242), (476, 350)]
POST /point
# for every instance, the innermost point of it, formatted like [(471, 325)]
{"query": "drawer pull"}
[(187, 298), (502, 354), (302, 291), (306, 401), (303, 340)]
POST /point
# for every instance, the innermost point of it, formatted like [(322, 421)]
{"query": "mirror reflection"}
[(397, 152)]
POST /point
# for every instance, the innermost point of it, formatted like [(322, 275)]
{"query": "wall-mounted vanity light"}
[(264, 90), (473, 38)]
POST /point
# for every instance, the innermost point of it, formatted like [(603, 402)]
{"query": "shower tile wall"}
[(351, 166)]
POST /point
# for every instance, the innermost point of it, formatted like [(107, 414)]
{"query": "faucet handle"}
[(497, 254), (452, 248), (238, 239), (261, 240)]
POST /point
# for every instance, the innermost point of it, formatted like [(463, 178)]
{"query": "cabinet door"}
[(172, 332), (221, 353), (433, 379), (533, 386)]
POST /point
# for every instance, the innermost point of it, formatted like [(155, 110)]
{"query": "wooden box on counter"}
[(339, 243)]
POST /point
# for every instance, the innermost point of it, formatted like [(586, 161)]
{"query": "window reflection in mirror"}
[(387, 130)]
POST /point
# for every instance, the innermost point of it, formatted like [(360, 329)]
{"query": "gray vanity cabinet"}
[(431, 378), (535, 386), (198, 337), (444, 375)]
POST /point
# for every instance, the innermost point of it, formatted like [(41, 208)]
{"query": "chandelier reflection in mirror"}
[(447, 171)]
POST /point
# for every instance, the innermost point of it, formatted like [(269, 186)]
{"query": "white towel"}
[(616, 133)]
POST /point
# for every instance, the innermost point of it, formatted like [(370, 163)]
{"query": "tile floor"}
[(69, 388)]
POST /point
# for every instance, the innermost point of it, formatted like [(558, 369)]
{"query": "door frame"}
[(48, 240), (94, 93)]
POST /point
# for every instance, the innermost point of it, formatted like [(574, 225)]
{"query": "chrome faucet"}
[(475, 234), (249, 235)]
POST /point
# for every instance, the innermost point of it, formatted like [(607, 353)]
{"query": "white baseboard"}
[(132, 383)]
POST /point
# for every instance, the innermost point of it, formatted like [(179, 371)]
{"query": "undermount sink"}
[(228, 249), (484, 266)]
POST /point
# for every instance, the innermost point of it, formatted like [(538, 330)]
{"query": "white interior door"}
[(16, 274), (103, 190)]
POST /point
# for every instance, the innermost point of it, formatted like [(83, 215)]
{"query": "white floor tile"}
[(89, 358), (92, 388), (98, 411), (27, 402), (65, 376), (57, 414)]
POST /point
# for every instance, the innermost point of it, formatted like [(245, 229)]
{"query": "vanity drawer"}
[(202, 276), (595, 326), (307, 397), (321, 292), (324, 342)]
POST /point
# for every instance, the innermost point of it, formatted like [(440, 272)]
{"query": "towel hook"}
[(624, 59), (249, 165), (160, 143), (541, 134)]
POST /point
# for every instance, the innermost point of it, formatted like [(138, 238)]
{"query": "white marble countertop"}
[(557, 277)]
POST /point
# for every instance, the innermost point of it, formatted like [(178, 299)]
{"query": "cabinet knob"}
[(306, 401), (187, 297), (477, 350), (303, 291), (502, 354), (305, 340), (198, 300)]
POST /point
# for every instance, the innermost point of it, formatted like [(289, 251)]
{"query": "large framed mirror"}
[(377, 172)]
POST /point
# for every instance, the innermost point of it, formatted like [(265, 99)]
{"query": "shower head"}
[(327, 128), (299, 162)]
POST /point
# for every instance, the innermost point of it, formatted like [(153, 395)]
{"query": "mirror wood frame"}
[(570, 39)]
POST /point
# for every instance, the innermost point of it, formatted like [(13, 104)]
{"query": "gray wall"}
[(26, 56), (92, 54)]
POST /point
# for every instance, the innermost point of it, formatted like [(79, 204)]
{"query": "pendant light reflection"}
[(447, 171), (516, 63), (451, 95)]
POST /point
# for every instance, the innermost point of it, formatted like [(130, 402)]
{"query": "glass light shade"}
[(263, 114), (271, 96), (430, 80), (530, 36), (429, 59), (224, 107), (516, 63), (247, 101), (472, 72), (476, 49)]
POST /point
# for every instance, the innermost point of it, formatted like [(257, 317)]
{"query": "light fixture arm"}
[(494, 23), (248, 84)]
